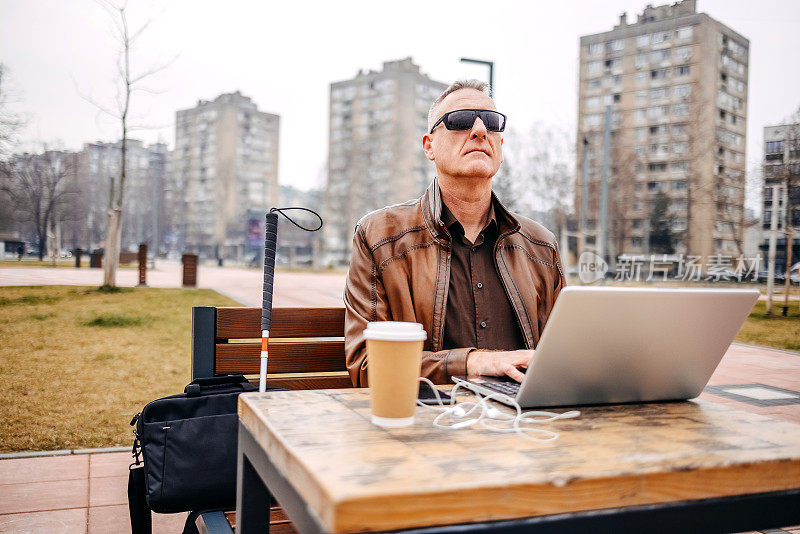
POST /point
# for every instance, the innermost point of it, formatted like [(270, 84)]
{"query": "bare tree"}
[(10, 122), (540, 170), (128, 83), (40, 187), (790, 175)]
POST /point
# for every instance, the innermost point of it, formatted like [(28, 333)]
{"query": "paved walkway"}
[(243, 285)]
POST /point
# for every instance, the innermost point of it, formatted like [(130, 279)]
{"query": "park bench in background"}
[(306, 351)]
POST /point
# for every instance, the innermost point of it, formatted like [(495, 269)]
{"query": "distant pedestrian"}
[(20, 250)]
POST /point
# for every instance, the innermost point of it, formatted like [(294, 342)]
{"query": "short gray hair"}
[(457, 85)]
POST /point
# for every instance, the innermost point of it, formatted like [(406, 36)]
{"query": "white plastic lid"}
[(394, 331)]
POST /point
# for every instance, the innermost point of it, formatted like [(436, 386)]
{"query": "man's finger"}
[(514, 373)]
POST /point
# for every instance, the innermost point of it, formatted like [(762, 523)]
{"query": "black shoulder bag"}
[(188, 446)]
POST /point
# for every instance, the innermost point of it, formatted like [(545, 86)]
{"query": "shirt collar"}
[(452, 223)]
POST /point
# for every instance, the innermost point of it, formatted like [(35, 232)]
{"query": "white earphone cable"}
[(458, 415)]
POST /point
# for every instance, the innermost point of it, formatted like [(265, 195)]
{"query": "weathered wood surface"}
[(235, 323), (357, 477)]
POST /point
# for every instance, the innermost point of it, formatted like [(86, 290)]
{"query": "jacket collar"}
[(431, 204)]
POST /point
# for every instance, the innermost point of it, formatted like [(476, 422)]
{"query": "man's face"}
[(473, 153)]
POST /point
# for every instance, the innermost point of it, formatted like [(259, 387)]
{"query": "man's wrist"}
[(475, 363)]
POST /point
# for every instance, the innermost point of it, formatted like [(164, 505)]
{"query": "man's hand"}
[(499, 363)]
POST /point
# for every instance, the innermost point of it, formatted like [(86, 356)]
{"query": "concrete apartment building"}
[(375, 158), (225, 173), (782, 165), (676, 84), (144, 212)]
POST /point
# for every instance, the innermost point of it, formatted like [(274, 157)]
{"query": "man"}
[(481, 280)]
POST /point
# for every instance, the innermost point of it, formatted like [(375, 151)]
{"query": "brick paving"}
[(88, 492)]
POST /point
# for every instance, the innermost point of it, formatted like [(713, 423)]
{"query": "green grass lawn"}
[(775, 331), (77, 363)]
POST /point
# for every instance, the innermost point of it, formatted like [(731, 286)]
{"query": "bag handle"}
[(218, 384)]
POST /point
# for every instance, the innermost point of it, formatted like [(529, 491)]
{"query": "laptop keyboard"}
[(508, 388)]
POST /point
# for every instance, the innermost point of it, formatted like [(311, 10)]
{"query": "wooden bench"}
[(306, 351)]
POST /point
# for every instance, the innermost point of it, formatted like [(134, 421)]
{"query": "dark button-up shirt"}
[(478, 312)]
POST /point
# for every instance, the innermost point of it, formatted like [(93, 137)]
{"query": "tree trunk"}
[(111, 259)]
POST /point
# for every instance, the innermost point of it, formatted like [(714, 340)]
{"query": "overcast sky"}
[(284, 55)]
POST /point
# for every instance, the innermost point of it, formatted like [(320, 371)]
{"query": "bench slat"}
[(237, 323), (295, 357), (311, 382)]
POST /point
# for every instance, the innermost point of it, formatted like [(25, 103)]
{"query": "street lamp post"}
[(490, 64)]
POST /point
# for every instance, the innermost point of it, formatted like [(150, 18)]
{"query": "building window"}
[(682, 91), (684, 33), (656, 167), (682, 70), (660, 129), (732, 65), (774, 147), (636, 242), (594, 83), (641, 134), (640, 114), (736, 85), (660, 37), (643, 40), (680, 148), (658, 74), (654, 186), (659, 93), (657, 56), (683, 53), (679, 167), (595, 48), (680, 110), (678, 185), (658, 149), (641, 77), (679, 130), (613, 63), (615, 45), (657, 112), (594, 66), (641, 95)]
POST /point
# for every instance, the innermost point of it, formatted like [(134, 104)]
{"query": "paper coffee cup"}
[(394, 355)]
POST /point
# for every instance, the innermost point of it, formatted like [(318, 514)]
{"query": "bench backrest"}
[(306, 345)]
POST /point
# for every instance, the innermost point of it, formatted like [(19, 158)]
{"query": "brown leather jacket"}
[(400, 271)]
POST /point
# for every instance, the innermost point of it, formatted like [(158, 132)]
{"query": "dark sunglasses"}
[(463, 119)]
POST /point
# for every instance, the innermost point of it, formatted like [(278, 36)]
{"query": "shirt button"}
[(480, 285), (483, 324)]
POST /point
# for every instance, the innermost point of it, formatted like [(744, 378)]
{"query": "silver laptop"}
[(605, 345)]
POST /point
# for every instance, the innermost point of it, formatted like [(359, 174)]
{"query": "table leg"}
[(256, 473), (252, 496)]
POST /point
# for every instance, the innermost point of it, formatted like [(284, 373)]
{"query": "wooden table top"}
[(355, 476)]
